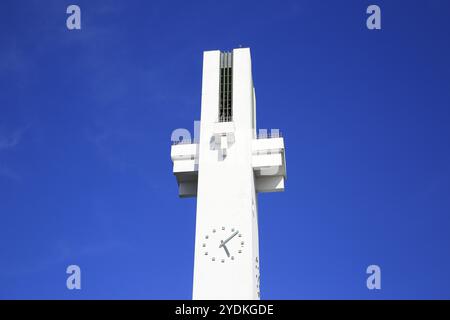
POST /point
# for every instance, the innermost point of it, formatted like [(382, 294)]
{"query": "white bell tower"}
[(225, 169)]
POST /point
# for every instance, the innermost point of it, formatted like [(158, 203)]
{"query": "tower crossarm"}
[(185, 168), (269, 164)]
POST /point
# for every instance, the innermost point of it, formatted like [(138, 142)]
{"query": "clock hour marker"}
[(206, 237), (213, 259), (222, 260)]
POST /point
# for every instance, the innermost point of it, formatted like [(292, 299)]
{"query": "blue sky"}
[(85, 124)]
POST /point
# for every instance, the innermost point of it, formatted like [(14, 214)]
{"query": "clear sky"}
[(86, 118)]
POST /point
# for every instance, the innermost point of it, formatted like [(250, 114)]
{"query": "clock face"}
[(223, 244)]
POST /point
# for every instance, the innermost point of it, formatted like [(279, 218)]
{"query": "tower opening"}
[(226, 86)]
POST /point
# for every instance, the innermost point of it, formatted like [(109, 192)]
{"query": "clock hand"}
[(226, 250), (229, 238)]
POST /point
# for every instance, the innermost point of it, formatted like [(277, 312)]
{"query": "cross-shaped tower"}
[(225, 169)]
